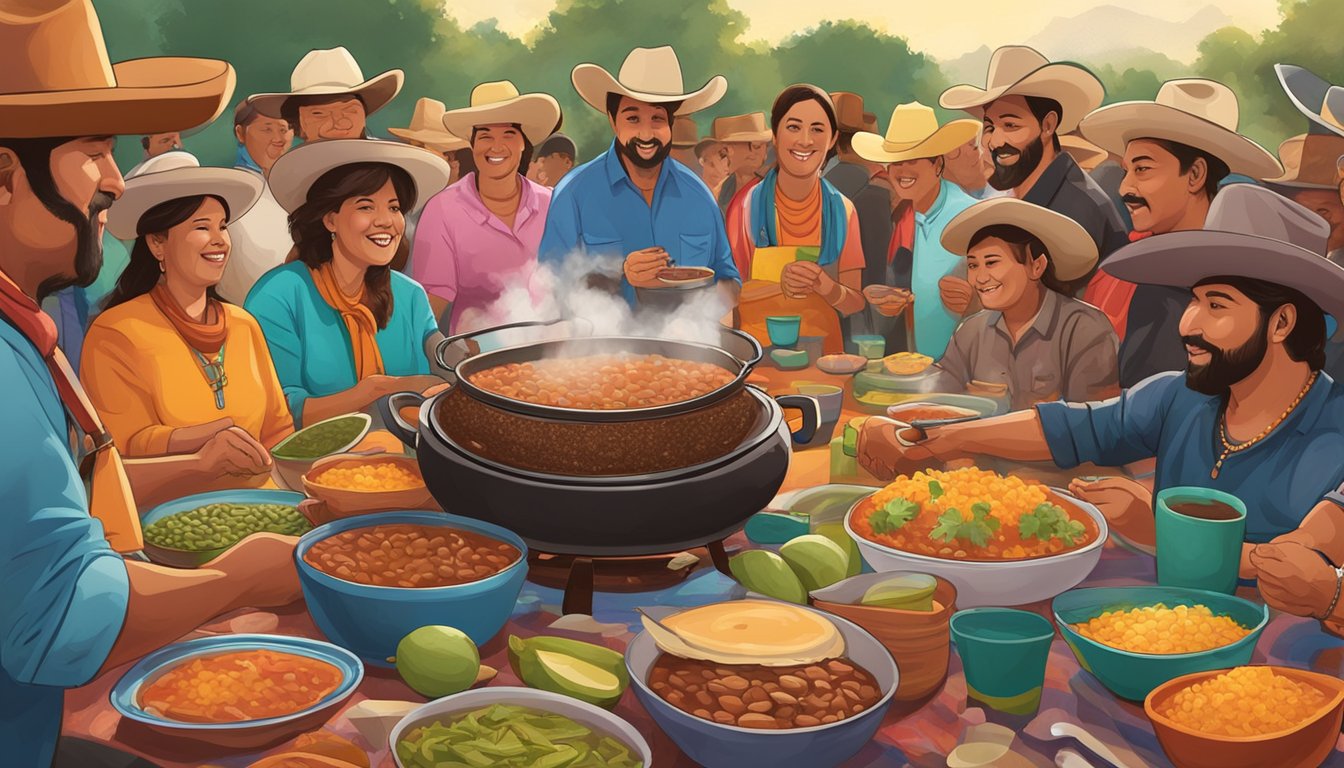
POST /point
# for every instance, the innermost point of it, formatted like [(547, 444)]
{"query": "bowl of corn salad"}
[(1247, 716), (1134, 639), (355, 484)]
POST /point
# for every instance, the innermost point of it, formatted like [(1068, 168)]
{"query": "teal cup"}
[(1199, 537), (783, 329), (1003, 653)]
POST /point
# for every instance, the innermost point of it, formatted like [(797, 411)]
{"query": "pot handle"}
[(811, 415), (755, 346), (389, 408), (473, 335)]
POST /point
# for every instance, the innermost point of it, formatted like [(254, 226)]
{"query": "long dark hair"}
[(142, 273), (312, 240)]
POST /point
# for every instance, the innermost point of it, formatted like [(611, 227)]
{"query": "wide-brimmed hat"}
[(427, 128), (1086, 154), (685, 133), (298, 169), (650, 75), (1310, 161), (848, 111), (56, 79), (500, 102), (332, 72), (1070, 248), (913, 133), (174, 175), (1195, 112), (1312, 95), (1016, 70), (1249, 232), (741, 128)]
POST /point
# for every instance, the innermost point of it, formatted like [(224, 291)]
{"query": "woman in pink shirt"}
[(479, 237)]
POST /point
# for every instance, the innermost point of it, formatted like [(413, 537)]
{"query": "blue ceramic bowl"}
[(371, 620), (181, 558), (728, 746), (1134, 675), (252, 733)]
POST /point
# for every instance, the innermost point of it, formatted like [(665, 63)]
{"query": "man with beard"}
[(73, 607), (629, 203), (1252, 416)]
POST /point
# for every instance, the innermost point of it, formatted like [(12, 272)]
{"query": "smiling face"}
[(1155, 190), (369, 228), (643, 132), (498, 149), (803, 138), (195, 251), (1015, 140), (266, 139), (1002, 273), (1326, 204), (914, 179), (339, 119), (1226, 337)]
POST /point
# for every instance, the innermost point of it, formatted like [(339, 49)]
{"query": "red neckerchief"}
[(1112, 295)]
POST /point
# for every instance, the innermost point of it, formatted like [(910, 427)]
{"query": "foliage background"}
[(263, 39)]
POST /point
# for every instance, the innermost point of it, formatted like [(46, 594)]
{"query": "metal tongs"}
[(922, 427)]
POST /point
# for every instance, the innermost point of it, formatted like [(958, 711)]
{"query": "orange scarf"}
[(205, 337), (799, 220), (359, 321)]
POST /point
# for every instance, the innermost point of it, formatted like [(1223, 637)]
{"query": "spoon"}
[(1067, 758), (1088, 740)]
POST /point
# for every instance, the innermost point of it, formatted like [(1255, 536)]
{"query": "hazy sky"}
[(946, 29)]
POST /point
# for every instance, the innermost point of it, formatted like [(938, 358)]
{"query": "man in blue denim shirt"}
[(632, 202)]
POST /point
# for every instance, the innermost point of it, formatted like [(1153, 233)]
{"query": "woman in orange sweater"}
[(170, 368)]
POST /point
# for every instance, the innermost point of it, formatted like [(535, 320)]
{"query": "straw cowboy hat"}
[(1250, 232), (1196, 112), (685, 133), (500, 102), (175, 175), (1070, 248), (1310, 161), (56, 79), (298, 169), (1016, 70), (332, 72), (741, 128), (1310, 94), (1086, 154), (913, 134), (650, 75), (427, 128)]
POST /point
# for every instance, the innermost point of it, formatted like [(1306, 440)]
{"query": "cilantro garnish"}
[(978, 530), (1050, 521), (935, 490), (893, 515)]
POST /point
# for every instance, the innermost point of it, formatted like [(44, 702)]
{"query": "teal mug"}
[(1003, 654), (783, 329), (1199, 536)]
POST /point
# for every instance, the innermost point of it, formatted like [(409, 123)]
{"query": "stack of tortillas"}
[(764, 632)]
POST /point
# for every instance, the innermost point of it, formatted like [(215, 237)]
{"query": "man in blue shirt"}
[(1253, 415), (632, 202)]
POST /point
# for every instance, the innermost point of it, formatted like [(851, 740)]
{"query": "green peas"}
[(216, 526), (320, 439)]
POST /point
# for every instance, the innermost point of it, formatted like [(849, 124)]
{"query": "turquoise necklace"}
[(214, 374)]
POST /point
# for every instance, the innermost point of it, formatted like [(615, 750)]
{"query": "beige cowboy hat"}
[(56, 79), (685, 133), (913, 134), (298, 169), (741, 128), (1086, 154), (174, 175), (1016, 70), (650, 75), (1196, 112), (1070, 248), (332, 72), (500, 102), (427, 128), (1310, 161)]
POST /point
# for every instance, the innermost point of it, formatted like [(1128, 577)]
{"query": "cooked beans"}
[(604, 382), (215, 526), (408, 555), (772, 698)]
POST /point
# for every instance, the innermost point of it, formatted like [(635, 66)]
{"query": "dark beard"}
[(1226, 367), (1010, 176), (632, 154), (88, 261)]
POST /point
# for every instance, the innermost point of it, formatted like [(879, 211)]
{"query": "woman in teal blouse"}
[(344, 326)]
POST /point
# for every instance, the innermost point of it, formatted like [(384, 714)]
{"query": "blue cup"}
[(1003, 653), (784, 329)]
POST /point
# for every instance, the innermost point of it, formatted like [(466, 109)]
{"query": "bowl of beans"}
[(803, 716), (357, 484), (193, 530), (1247, 717), (1134, 639), (372, 579)]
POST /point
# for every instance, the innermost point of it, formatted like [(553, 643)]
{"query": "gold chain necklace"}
[(1229, 448)]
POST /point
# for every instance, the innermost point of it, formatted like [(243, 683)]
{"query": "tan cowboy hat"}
[(332, 72), (56, 79), (741, 128), (500, 102), (175, 175), (685, 133), (913, 134), (1310, 161), (1016, 70), (298, 169), (1070, 248), (427, 128), (848, 111), (1196, 112), (650, 75), (1086, 154)]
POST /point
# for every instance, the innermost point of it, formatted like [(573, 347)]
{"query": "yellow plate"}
[(906, 363)]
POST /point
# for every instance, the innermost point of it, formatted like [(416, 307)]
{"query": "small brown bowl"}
[(342, 502)]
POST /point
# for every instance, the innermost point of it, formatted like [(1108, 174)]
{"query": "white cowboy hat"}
[(1310, 161), (741, 128), (427, 128), (1016, 70), (1086, 154), (1310, 94), (650, 75), (56, 79), (1196, 112), (1070, 248), (913, 134), (500, 102), (174, 175), (298, 169), (332, 72)]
